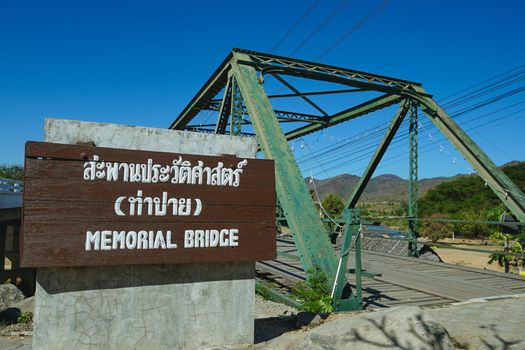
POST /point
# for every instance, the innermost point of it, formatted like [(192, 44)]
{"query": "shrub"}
[(13, 172), (25, 317), (505, 260), (434, 231), (314, 294)]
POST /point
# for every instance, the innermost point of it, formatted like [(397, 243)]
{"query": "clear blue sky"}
[(139, 62)]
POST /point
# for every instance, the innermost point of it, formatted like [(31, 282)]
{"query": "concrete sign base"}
[(145, 306)]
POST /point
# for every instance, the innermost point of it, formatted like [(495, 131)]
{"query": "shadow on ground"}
[(272, 327), (492, 341), (421, 334)]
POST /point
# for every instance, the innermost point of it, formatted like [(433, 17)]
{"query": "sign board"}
[(86, 205)]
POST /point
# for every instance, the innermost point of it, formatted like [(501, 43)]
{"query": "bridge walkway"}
[(403, 280)]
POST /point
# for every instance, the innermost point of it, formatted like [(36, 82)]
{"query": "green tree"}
[(435, 230), (333, 205), (467, 194), (475, 230), (468, 197), (505, 260), (13, 172)]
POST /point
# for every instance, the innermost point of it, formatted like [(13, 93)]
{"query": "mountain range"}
[(382, 188)]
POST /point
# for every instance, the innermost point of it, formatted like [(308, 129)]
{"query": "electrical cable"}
[(466, 110), (400, 137), (353, 29), (294, 26), (316, 30)]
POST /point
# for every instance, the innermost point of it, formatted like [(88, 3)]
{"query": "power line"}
[(386, 163), (424, 148), (343, 37), (333, 157), (354, 29), (458, 113), (487, 89), (294, 26), (483, 82), (316, 30)]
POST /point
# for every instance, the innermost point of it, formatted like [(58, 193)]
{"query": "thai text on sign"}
[(86, 205)]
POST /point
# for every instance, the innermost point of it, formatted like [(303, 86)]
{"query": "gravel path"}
[(267, 308)]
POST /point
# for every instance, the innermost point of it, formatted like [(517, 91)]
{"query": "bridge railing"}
[(8, 186), (11, 193)]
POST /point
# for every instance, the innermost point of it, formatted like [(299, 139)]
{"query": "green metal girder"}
[(310, 237), (509, 194), (376, 158), (309, 93), (354, 301), (327, 77), (207, 92), (289, 66), (280, 114), (306, 99), (236, 109), (346, 115), (413, 178), (224, 110), (316, 93), (265, 59), (270, 293)]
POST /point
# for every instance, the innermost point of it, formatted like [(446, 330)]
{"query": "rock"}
[(9, 295), (305, 317), (317, 320), (396, 328), (26, 305), (427, 253), (430, 256)]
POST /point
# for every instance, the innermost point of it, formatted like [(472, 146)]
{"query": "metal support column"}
[(224, 110), (376, 158), (236, 109), (413, 178), (311, 239), (342, 299)]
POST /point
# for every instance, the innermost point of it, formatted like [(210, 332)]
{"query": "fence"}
[(10, 221), (10, 193)]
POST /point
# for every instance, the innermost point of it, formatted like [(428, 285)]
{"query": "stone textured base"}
[(145, 306)]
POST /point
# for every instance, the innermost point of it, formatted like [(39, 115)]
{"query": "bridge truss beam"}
[(241, 78)]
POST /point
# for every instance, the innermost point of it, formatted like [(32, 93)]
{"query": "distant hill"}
[(468, 194), (382, 188)]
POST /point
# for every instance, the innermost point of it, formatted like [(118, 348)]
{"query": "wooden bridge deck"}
[(404, 280)]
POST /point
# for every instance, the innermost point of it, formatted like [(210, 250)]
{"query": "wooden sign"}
[(87, 205)]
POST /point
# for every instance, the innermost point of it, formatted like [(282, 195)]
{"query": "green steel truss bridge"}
[(236, 95)]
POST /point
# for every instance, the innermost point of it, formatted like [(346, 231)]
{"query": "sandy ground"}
[(468, 258)]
